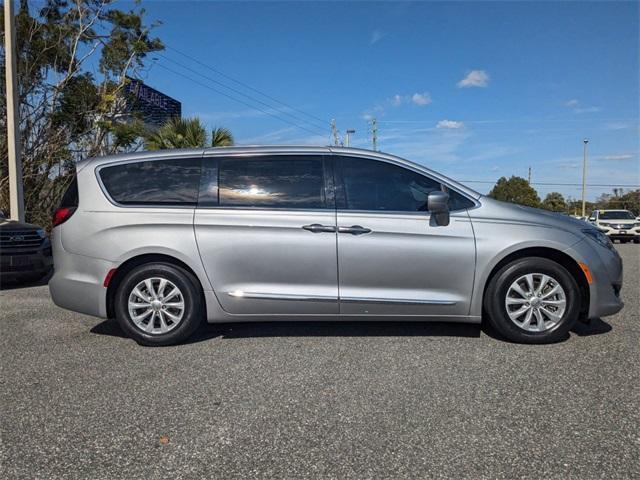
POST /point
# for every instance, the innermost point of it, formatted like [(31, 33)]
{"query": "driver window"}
[(381, 186)]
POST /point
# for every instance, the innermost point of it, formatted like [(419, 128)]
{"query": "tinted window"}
[(375, 185), (275, 182), (158, 182), (458, 201), (70, 197)]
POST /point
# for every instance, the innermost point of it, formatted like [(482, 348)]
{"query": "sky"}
[(474, 90)]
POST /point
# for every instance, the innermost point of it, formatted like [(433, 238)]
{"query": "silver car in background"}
[(163, 240)]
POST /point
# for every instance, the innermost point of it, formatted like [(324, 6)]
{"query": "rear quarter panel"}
[(102, 230)]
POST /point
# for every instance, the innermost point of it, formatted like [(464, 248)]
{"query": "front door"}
[(265, 227), (392, 258)]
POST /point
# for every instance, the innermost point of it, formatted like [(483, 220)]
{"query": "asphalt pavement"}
[(317, 400)]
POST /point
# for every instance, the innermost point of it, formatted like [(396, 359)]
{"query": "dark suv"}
[(25, 251)]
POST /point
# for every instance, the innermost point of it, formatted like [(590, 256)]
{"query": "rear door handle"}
[(354, 230), (317, 228)]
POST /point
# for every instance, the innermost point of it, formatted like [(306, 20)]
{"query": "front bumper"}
[(606, 269), (21, 262), (620, 232)]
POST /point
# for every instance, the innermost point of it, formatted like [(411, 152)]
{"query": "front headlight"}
[(598, 236), (636, 225), (41, 233)]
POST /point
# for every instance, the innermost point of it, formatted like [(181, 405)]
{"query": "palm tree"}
[(221, 137), (177, 133)]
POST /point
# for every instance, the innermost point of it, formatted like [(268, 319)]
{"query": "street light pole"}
[(584, 174), (16, 198), (348, 136)]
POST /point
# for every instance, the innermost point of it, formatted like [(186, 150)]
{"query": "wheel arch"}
[(568, 262), (143, 259)]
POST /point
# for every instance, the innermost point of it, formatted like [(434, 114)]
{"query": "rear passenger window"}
[(272, 182), (157, 182)]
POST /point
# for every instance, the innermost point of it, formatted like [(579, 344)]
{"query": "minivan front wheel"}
[(159, 304), (533, 300)]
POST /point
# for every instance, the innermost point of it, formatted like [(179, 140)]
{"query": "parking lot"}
[(317, 400)]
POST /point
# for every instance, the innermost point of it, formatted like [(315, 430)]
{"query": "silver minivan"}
[(164, 240)]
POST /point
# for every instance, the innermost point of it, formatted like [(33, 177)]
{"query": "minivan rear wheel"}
[(533, 300), (159, 304)]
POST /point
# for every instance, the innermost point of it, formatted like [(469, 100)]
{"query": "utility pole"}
[(529, 177), (16, 198), (350, 131), (584, 174), (374, 134), (334, 133)]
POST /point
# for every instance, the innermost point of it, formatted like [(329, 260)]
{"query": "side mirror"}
[(438, 206), (592, 219)]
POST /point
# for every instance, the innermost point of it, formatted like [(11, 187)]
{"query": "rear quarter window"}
[(171, 182), (70, 197)]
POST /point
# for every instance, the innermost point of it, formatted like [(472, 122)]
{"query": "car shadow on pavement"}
[(595, 326), (346, 329), (314, 329)]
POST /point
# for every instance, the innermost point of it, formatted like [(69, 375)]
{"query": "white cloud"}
[(619, 157), (617, 126), (421, 99), (577, 106), (475, 78), (450, 124), (376, 36)]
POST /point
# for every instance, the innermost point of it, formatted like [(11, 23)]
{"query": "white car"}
[(619, 225)]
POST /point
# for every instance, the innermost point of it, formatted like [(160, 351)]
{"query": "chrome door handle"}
[(317, 228), (354, 230)]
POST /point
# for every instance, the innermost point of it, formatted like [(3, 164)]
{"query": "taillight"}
[(62, 214)]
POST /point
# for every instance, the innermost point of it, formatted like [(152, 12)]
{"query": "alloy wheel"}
[(156, 305), (536, 302)]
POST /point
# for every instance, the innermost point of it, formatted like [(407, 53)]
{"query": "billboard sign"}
[(155, 107)]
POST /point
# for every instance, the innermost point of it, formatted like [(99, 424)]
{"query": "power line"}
[(235, 99), (321, 128), (244, 84)]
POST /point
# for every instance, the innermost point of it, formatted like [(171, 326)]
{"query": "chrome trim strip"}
[(282, 296), (322, 298), (394, 301)]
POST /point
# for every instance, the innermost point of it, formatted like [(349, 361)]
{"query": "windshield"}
[(617, 215)]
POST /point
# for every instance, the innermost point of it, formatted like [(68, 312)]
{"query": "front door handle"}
[(354, 230), (317, 228)]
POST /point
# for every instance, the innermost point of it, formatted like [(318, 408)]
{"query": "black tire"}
[(636, 240), (623, 241), (191, 294), (495, 295)]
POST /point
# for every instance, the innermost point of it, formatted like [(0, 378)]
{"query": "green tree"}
[(620, 200), (177, 133), (221, 137), (555, 202), (69, 109), (186, 133), (515, 190), (574, 207)]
